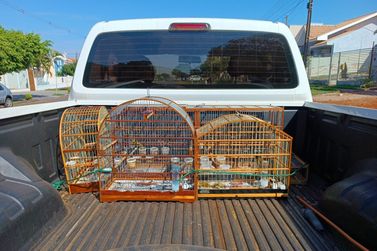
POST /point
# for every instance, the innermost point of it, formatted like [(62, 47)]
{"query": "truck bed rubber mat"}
[(237, 224)]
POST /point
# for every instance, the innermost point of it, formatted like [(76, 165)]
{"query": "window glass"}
[(190, 59)]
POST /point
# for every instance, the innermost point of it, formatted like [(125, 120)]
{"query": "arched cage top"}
[(231, 119), (152, 102), (152, 123)]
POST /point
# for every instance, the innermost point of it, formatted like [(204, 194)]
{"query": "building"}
[(341, 53), (34, 79), (353, 34), (45, 80)]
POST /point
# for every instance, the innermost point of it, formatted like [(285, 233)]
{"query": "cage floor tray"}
[(84, 187), (145, 190), (141, 185)]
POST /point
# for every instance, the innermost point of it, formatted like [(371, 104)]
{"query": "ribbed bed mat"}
[(243, 224)]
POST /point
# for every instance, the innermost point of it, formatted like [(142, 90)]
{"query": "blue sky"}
[(66, 23)]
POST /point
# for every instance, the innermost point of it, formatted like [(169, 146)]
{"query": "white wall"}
[(20, 81), (361, 38), (16, 80), (53, 82)]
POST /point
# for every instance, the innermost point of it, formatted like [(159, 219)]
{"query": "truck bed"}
[(330, 138), (237, 224)]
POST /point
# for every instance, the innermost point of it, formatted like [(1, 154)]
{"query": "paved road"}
[(40, 100), (39, 97), (19, 96)]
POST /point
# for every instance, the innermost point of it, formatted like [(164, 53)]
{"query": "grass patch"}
[(67, 89), (58, 94), (28, 96), (323, 89)]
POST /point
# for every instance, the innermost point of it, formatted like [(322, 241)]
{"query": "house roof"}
[(295, 29), (316, 30), (71, 60), (342, 26), (321, 32), (326, 42), (352, 20)]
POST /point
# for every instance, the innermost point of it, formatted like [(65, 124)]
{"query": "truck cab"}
[(192, 61)]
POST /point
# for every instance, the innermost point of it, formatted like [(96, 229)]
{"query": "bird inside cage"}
[(148, 113)]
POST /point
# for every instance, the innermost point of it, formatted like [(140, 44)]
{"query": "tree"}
[(215, 67), (19, 51), (68, 69), (162, 77), (179, 74)]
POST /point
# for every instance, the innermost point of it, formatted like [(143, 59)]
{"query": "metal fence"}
[(348, 67)]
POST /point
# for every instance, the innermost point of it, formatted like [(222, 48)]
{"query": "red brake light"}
[(189, 27)]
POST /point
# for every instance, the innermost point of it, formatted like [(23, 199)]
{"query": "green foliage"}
[(68, 69), (215, 67), (179, 74), (323, 89), (19, 51), (28, 96), (162, 77), (68, 89), (368, 83)]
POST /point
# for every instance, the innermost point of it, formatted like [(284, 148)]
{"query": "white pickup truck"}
[(193, 61)]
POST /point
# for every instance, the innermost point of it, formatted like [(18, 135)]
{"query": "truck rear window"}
[(190, 60)]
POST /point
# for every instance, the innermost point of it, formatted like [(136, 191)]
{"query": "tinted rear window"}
[(192, 60)]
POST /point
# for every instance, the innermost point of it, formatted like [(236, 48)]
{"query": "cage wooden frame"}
[(78, 131), (243, 156), (137, 127)]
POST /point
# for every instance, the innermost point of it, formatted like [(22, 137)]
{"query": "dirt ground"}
[(349, 99)]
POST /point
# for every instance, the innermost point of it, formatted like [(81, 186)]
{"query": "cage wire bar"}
[(202, 114), (243, 156), (78, 133), (148, 144)]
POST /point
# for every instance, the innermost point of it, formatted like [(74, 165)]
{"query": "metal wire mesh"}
[(240, 153), (205, 113), (148, 144), (78, 140), (341, 67)]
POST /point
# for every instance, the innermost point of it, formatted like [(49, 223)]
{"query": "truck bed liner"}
[(243, 224)]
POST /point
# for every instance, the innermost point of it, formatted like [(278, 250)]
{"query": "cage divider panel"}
[(78, 133)]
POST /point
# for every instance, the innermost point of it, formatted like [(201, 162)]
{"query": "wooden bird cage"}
[(148, 144), (243, 156), (203, 114), (78, 143)]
